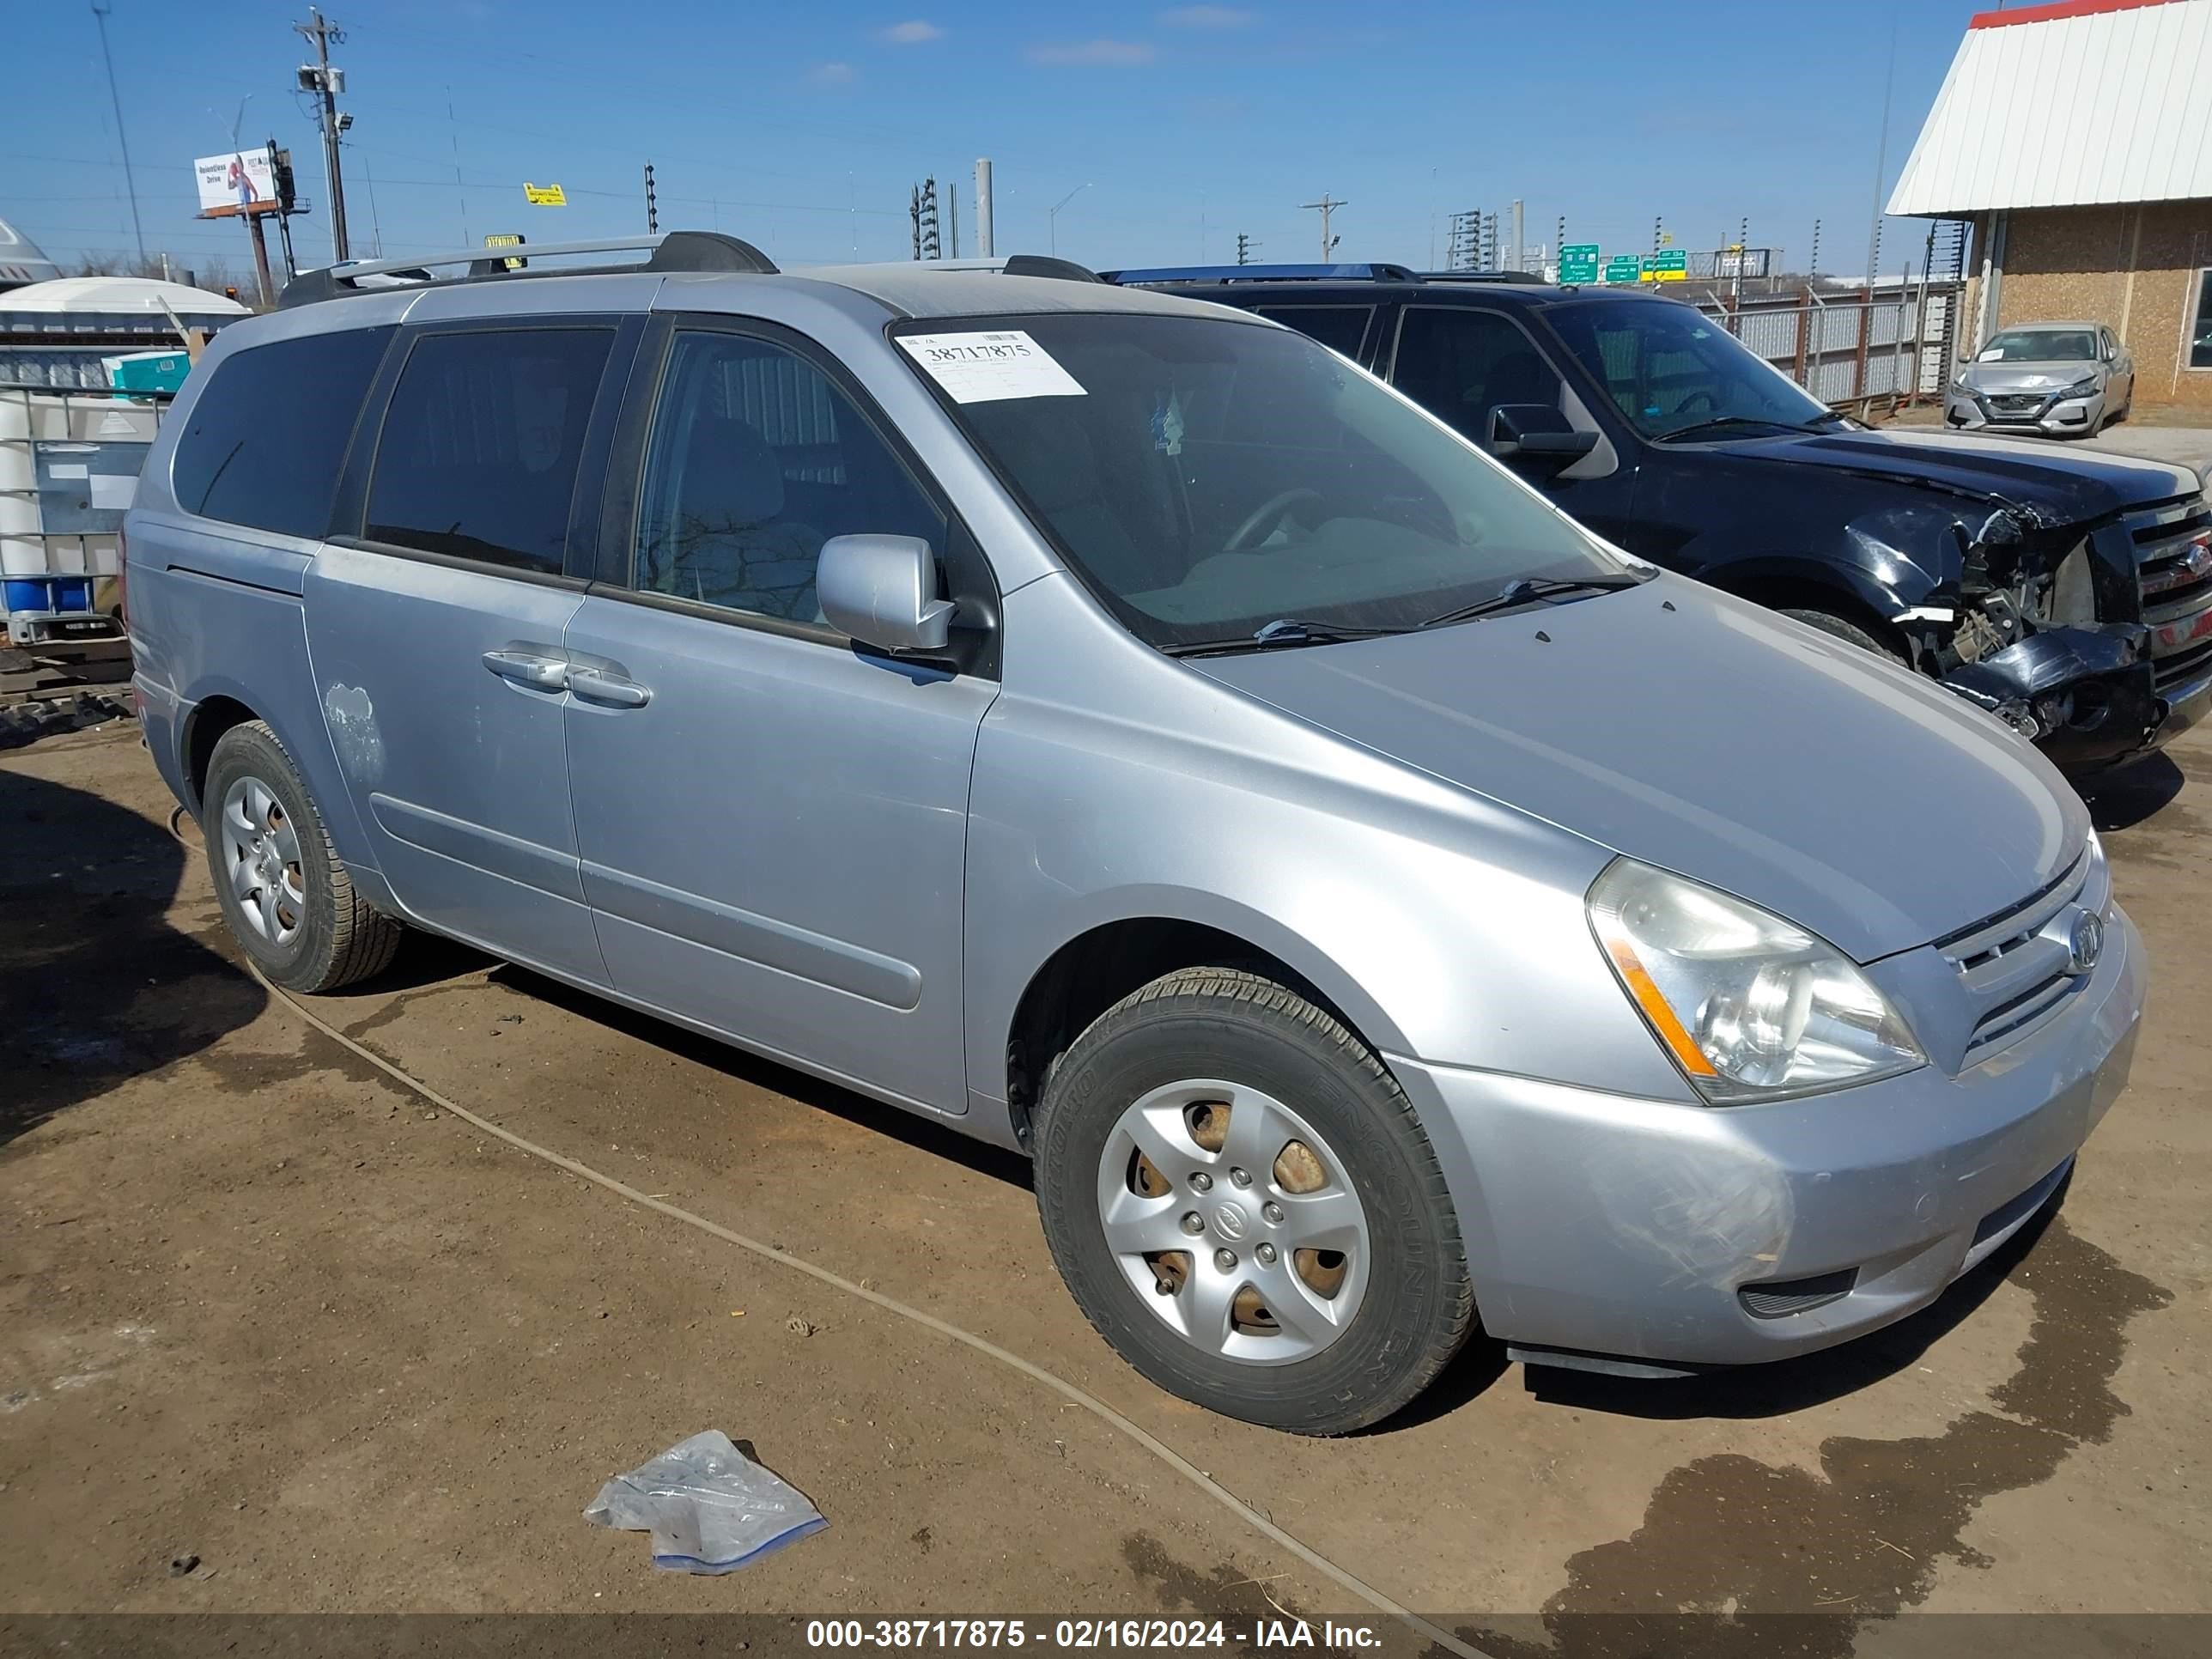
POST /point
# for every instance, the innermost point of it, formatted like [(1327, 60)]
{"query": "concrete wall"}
[(2138, 268)]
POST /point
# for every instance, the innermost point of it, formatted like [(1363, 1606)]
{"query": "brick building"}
[(2076, 138)]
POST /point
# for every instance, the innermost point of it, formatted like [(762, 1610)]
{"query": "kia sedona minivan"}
[(1122, 729)]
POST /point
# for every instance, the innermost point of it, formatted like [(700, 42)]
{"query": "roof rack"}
[(1363, 273), (672, 250), (1012, 265), (1535, 276)]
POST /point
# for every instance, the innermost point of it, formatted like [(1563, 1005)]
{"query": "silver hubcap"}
[(1233, 1221), (261, 856)]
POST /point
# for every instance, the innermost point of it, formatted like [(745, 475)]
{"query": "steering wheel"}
[(1268, 514), (1703, 396)]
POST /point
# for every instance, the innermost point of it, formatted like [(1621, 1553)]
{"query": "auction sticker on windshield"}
[(989, 368)]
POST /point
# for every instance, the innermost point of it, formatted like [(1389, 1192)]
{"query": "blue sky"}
[(802, 127)]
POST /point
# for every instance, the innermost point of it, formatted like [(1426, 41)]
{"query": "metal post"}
[(984, 238), (1866, 328), (261, 259), (1520, 249)]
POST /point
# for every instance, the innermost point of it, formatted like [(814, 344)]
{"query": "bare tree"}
[(211, 271)]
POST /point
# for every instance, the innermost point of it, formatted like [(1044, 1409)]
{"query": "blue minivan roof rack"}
[(672, 250), (1362, 273)]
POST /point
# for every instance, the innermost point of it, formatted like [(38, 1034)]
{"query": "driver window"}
[(756, 459), (1460, 364)]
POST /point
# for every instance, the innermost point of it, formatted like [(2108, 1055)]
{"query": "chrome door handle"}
[(617, 691), (530, 668)]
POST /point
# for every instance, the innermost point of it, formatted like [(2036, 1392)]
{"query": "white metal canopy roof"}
[(120, 293), (2071, 105)]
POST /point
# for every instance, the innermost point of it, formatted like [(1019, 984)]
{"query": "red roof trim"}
[(2049, 14)]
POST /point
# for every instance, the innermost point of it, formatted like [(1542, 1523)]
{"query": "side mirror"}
[(882, 590), (1537, 432)]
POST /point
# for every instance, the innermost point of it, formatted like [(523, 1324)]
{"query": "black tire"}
[(1417, 1308), (335, 938), (1844, 629)]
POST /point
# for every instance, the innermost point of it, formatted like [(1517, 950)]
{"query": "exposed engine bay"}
[(2016, 631)]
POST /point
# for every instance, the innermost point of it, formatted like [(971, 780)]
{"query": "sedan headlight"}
[(2087, 388), (1750, 1007)]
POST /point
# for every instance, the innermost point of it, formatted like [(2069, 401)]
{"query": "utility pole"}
[(1520, 249), (651, 207), (1812, 266), (319, 77), (983, 230), (952, 218), (1245, 246), (130, 178), (1326, 206), (1658, 233)]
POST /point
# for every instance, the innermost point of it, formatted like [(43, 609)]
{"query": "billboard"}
[(244, 181)]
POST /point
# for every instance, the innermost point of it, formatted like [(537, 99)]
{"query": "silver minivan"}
[(1123, 729)]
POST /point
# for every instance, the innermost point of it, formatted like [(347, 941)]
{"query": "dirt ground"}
[(262, 1306)]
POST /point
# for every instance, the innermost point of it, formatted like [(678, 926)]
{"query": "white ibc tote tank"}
[(50, 421)]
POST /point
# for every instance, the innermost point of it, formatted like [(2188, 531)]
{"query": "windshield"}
[(1669, 368), (1209, 476), (2040, 345)]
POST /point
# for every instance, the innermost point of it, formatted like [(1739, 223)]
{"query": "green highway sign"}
[(1624, 268), (1579, 262), (1670, 264)]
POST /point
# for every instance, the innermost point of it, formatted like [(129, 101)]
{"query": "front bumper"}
[(1974, 411), (1601, 1225)]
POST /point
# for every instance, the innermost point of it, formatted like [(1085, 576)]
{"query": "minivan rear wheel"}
[(1244, 1206), (286, 897)]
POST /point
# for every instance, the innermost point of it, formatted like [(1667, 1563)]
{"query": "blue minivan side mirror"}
[(882, 590)]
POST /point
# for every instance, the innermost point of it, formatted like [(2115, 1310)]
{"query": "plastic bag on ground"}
[(710, 1507)]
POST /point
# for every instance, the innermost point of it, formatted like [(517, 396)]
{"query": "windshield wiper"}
[(1728, 424), (1282, 631), (1529, 588)]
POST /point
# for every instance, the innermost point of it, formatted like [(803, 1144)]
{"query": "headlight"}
[(1750, 1007), (2082, 389)]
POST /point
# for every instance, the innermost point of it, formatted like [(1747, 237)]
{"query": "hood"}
[(2018, 375), (1716, 739), (2071, 486)]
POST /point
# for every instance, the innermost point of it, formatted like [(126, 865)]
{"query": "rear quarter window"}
[(266, 442)]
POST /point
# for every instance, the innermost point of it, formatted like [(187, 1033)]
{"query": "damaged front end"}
[(2016, 631)]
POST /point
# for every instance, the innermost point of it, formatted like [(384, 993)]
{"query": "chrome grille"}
[(2173, 558), (2171, 674), (2017, 967)]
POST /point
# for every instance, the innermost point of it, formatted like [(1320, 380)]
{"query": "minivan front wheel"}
[(283, 890), (1244, 1206)]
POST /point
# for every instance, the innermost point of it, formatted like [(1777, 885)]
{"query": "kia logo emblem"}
[(2086, 944)]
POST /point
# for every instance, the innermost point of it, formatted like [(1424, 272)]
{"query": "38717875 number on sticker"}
[(987, 365)]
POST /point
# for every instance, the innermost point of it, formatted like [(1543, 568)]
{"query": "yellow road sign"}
[(544, 195)]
